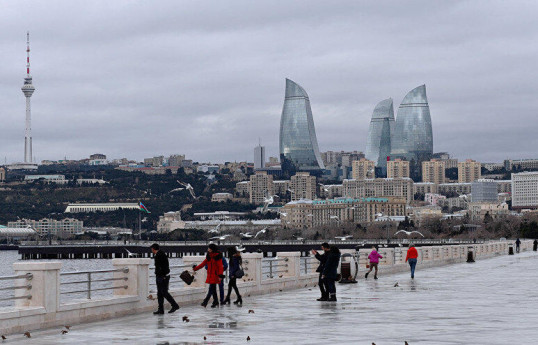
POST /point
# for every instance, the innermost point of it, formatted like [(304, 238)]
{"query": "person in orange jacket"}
[(215, 272), (411, 257)]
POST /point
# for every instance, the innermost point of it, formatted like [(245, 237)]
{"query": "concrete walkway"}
[(493, 301)]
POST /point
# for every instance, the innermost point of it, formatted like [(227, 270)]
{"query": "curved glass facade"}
[(298, 143), (413, 138), (378, 144)]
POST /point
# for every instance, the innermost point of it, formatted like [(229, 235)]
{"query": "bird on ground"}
[(214, 230), (205, 338), (185, 318), (220, 238), (67, 327), (150, 297), (262, 231), (406, 343), (64, 331), (343, 238), (248, 338), (246, 235), (251, 311), (408, 233), (27, 334), (396, 285), (4, 337)]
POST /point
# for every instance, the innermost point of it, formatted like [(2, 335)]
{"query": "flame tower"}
[(28, 89)]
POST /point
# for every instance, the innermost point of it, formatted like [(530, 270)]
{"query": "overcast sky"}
[(206, 78)]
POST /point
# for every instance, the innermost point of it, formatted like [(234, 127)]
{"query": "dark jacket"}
[(162, 267), (322, 258), (214, 267), (331, 265), (235, 264)]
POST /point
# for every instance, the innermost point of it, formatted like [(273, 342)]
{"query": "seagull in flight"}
[(343, 238), (215, 230), (129, 254), (298, 238), (408, 233), (189, 188), (220, 238), (246, 235), (262, 231), (334, 217), (325, 189), (240, 248)]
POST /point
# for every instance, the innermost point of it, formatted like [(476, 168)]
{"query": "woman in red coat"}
[(215, 272)]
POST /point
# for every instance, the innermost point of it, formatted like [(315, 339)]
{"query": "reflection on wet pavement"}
[(492, 301)]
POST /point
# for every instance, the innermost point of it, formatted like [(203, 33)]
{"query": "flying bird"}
[(246, 235), (343, 238), (408, 233), (189, 188), (220, 238), (325, 189), (298, 238), (215, 230), (262, 231), (240, 248), (334, 217), (129, 254)]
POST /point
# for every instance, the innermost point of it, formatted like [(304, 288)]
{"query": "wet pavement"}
[(493, 301)]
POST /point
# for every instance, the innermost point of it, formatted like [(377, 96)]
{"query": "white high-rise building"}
[(525, 190), (259, 157)]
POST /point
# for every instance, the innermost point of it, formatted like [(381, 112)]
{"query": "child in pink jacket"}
[(374, 261)]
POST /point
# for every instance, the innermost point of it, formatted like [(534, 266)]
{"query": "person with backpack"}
[(374, 262), (215, 271), (236, 272)]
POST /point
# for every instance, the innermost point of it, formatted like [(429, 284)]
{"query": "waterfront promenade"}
[(491, 301)]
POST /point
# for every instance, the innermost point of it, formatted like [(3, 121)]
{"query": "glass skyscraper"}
[(378, 144), (299, 149), (413, 138)]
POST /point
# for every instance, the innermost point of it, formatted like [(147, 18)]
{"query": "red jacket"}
[(214, 267), (411, 254)]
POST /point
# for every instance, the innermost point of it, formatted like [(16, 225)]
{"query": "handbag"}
[(240, 272), (186, 277)]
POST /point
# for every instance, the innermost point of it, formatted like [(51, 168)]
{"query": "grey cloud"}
[(207, 79)]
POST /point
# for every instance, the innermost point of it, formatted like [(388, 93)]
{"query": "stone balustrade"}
[(44, 309)]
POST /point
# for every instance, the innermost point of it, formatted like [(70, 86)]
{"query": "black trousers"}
[(212, 292), (232, 284), (330, 286), (322, 287), (162, 292)]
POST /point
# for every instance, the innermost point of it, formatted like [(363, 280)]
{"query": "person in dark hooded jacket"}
[(329, 273), (322, 258), (215, 272)]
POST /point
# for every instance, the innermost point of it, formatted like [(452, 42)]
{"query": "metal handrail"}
[(17, 287), (124, 270), (18, 297), (28, 276), (94, 281), (174, 266), (99, 289)]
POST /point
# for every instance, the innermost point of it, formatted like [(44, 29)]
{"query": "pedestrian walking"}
[(374, 262), (233, 274), (221, 284), (518, 242), (329, 273), (535, 245), (215, 271), (162, 275), (412, 255), (322, 258)]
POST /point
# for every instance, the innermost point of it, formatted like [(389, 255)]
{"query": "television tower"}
[(28, 89)]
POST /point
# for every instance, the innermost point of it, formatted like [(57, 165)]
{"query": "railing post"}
[(45, 290), (137, 274), (252, 265), (293, 263), (89, 285)]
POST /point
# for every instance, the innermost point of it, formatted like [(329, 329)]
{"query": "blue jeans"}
[(412, 264)]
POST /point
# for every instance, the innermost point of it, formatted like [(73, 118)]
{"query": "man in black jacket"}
[(162, 274), (330, 272), (322, 258)]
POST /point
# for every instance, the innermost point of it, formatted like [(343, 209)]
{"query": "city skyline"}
[(101, 83)]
